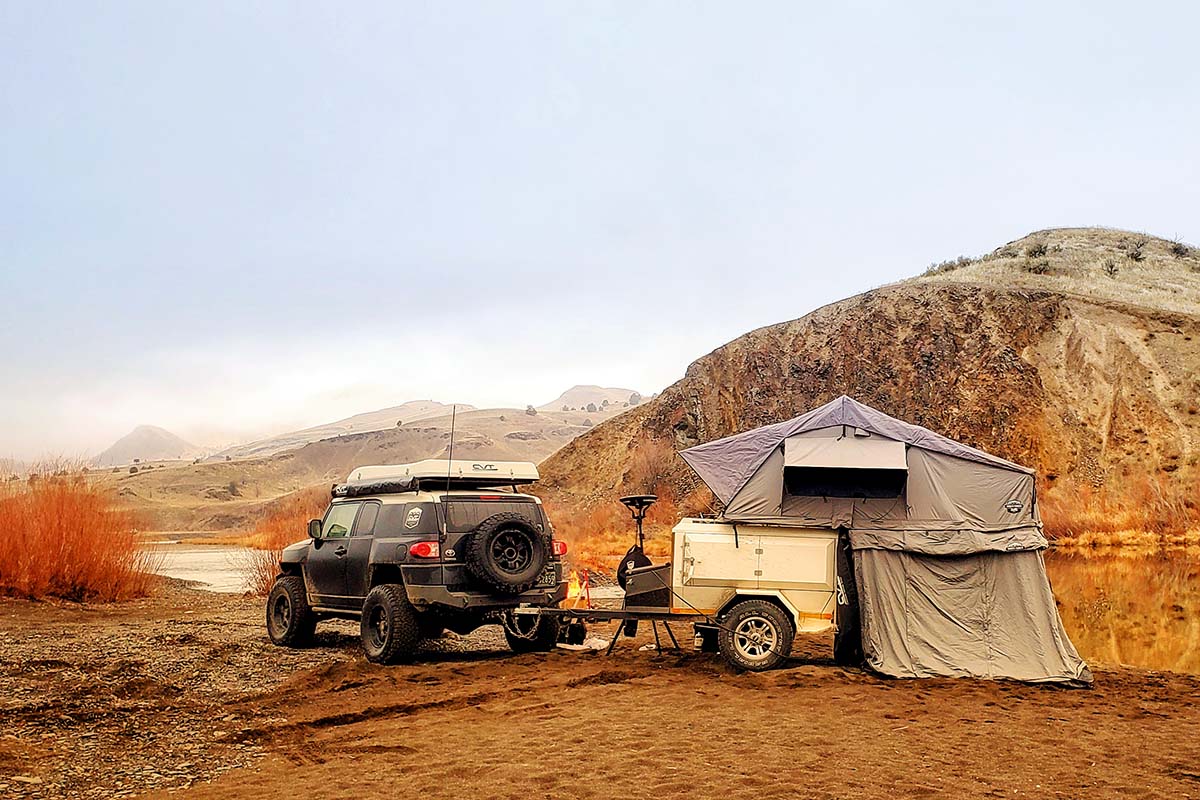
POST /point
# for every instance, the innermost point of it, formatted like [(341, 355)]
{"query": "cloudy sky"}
[(233, 219)]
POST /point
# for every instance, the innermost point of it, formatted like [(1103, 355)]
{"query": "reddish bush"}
[(285, 523), (598, 536), (1158, 507), (62, 537)]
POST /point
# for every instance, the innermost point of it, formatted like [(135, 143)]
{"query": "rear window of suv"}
[(466, 515)]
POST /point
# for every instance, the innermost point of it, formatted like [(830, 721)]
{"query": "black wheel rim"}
[(281, 613), (377, 626), (512, 551)]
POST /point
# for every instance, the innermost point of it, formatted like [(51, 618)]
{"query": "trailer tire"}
[(388, 629), (530, 633), (755, 635)]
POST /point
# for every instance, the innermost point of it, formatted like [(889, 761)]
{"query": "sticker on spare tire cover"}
[(414, 517)]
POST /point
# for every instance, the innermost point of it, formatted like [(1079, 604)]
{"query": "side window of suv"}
[(339, 520), (365, 524)]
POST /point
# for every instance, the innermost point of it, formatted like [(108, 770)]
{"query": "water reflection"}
[(1122, 606), (215, 568)]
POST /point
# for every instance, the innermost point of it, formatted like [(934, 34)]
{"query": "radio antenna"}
[(450, 460)]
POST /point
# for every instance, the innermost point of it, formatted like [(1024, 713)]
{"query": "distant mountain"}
[(145, 443), (382, 419), (229, 490), (223, 495), (578, 398)]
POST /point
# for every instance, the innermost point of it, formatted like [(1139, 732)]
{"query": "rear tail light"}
[(559, 547), (425, 550)]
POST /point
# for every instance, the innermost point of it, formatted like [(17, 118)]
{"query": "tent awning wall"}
[(986, 615)]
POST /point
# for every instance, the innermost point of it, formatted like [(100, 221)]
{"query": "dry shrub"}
[(1145, 511), (285, 523), (598, 536), (62, 537), (648, 467)]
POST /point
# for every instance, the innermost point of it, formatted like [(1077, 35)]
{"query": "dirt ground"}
[(182, 694)]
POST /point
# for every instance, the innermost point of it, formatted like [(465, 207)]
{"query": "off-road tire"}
[(290, 619), (507, 553), (755, 635), (527, 633), (388, 629)]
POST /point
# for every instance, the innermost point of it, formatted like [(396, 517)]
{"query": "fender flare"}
[(774, 594)]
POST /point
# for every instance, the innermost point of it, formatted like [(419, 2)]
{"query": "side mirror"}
[(314, 529)]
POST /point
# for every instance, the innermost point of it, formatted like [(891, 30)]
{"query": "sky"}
[(234, 219)]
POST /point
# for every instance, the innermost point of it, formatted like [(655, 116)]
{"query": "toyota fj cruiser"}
[(412, 550)]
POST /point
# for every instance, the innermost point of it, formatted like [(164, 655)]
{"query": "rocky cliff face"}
[(1040, 352)]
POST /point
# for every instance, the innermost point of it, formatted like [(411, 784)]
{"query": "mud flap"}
[(847, 641)]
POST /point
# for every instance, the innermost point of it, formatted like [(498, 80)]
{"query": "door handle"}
[(340, 551)]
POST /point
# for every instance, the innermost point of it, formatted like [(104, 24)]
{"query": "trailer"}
[(746, 590)]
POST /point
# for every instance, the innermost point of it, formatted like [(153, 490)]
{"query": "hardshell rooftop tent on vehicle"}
[(946, 539), (433, 474)]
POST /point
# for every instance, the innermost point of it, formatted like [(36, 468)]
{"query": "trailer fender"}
[(772, 594)]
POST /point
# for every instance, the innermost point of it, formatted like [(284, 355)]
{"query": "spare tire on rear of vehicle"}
[(507, 553)]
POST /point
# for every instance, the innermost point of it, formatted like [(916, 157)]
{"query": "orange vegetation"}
[(1145, 511), (285, 523), (62, 537), (599, 536)]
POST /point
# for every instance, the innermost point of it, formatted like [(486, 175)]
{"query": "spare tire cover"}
[(507, 553)]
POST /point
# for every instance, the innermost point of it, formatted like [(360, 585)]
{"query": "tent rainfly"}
[(946, 540)]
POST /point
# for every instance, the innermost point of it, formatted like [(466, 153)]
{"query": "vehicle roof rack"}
[(433, 474)]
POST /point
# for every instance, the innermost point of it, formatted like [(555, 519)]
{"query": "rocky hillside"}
[(145, 443), (1075, 351)]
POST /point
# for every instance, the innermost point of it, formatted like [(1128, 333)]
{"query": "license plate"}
[(548, 577)]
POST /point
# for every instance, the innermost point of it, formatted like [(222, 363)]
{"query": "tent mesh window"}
[(843, 482)]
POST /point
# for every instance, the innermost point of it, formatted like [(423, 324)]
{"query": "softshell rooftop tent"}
[(946, 538)]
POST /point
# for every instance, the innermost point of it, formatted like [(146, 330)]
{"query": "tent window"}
[(843, 482)]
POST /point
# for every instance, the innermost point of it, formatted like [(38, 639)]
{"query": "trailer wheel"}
[(755, 635)]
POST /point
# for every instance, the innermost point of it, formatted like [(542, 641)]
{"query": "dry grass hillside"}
[(1074, 351), (382, 419), (225, 495)]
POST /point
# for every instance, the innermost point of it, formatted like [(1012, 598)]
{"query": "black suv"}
[(411, 561)]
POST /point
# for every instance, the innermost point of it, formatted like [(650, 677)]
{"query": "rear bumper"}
[(440, 595)]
